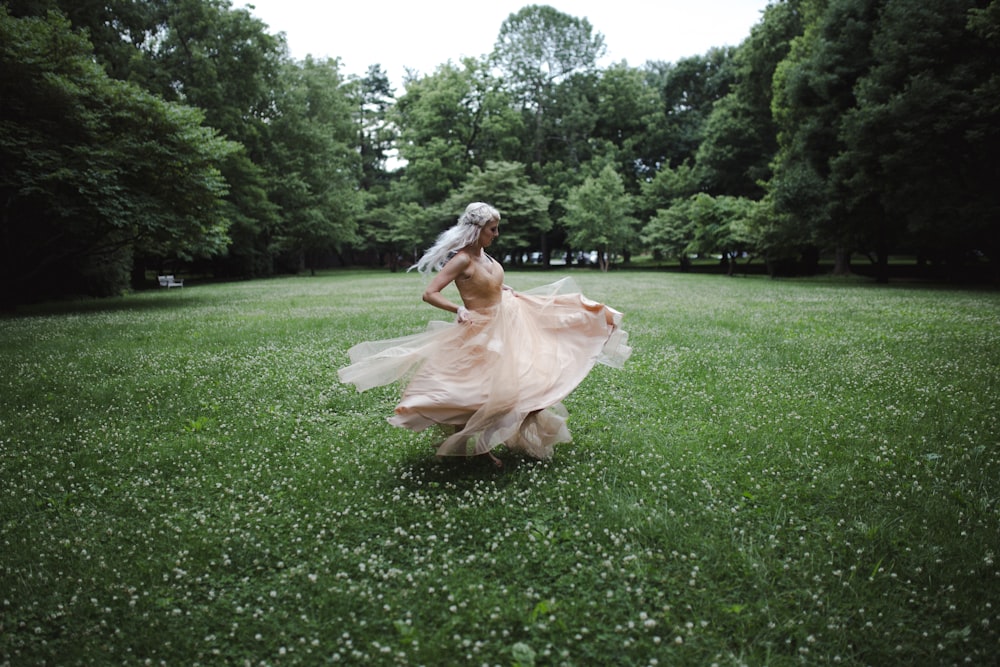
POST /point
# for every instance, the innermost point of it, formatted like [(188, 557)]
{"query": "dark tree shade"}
[(94, 169)]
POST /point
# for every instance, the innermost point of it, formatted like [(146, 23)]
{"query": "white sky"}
[(423, 35)]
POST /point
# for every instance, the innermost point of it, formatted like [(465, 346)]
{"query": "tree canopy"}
[(153, 134), (95, 169)]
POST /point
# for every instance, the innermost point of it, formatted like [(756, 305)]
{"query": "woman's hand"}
[(463, 314)]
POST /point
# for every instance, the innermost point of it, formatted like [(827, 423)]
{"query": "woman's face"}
[(490, 231)]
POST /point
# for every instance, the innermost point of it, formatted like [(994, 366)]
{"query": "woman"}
[(499, 373)]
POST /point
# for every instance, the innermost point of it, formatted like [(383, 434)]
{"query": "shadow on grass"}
[(422, 470), (138, 302)]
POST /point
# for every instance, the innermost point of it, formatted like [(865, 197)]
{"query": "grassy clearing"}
[(785, 473)]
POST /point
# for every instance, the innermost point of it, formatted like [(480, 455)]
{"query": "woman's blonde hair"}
[(463, 233)]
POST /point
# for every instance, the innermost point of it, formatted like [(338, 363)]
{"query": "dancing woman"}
[(498, 374)]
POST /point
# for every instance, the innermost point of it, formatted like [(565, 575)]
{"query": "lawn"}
[(785, 472)]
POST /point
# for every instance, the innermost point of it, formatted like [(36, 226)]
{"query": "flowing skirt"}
[(499, 378)]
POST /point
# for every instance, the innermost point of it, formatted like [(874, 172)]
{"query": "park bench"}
[(170, 281)]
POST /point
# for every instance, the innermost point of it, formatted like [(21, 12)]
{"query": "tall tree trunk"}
[(882, 263), (842, 262)]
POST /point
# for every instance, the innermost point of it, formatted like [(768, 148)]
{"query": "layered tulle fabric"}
[(499, 378)]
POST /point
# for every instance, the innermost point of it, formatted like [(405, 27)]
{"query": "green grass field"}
[(785, 473)]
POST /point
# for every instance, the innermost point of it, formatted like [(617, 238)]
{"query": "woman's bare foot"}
[(497, 463)]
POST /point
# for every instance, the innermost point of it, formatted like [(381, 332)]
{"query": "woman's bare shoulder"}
[(460, 258), (458, 263)]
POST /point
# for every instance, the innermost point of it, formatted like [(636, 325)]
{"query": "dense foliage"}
[(95, 169), (142, 135)]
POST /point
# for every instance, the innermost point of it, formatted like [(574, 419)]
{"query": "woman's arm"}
[(455, 268)]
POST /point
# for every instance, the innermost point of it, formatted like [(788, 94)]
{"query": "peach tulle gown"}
[(499, 378)]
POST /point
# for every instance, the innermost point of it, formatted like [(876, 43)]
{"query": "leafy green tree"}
[(449, 122), (740, 136), (721, 227), (314, 167), (981, 135), (394, 230), (667, 186), (94, 169), (665, 203), (386, 224), (204, 53), (539, 46), (887, 118), (814, 89), (598, 215), (702, 225), (113, 27), (670, 232), (536, 49), (568, 127), (689, 89), (376, 134), (523, 206), (920, 144), (627, 110)]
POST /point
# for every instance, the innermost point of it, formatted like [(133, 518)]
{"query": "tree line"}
[(169, 135)]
